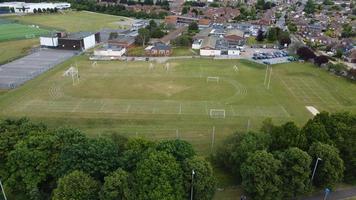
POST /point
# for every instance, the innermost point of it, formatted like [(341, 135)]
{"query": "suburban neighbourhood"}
[(178, 99)]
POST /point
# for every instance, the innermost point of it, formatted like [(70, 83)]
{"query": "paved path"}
[(337, 195)]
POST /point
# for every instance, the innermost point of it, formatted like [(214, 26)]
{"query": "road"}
[(337, 195)]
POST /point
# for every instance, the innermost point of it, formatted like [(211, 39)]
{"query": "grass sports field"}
[(11, 31), (134, 99), (76, 21), (10, 50)]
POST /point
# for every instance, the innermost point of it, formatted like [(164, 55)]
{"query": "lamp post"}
[(192, 188), (316, 165), (2, 189)]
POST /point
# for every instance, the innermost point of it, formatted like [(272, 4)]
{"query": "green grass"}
[(128, 98), (252, 41), (11, 50), (74, 21), (182, 51), (13, 31), (136, 51)]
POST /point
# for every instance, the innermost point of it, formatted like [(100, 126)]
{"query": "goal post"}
[(217, 113), (213, 79)]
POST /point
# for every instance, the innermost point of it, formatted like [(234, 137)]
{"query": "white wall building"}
[(110, 51), (49, 41), (197, 44), (22, 7)]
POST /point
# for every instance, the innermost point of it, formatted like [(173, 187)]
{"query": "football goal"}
[(74, 73), (213, 79), (217, 113)]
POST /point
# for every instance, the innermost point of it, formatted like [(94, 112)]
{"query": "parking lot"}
[(17, 72)]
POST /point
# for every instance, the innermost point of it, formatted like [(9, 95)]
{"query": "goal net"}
[(217, 113), (212, 79)]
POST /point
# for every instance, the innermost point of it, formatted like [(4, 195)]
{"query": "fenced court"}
[(145, 99), (11, 30)]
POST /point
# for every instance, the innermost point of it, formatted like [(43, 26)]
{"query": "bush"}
[(305, 53), (319, 60)]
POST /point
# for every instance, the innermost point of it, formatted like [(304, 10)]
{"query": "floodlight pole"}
[(269, 80), (191, 186), (316, 165), (3, 191), (213, 138), (264, 83)]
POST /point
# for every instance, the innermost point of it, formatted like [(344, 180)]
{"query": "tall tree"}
[(116, 186), (260, 177), (204, 183), (309, 7), (287, 135), (158, 176), (295, 172), (180, 149), (143, 36), (76, 185), (330, 169), (315, 132), (97, 157)]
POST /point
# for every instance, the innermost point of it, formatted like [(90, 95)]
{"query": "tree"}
[(319, 60), (179, 149), (97, 157), (116, 186), (260, 4), (185, 10), (295, 172), (158, 176), (292, 27), (31, 165), (272, 34), (260, 177), (330, 169), (284, 38), (347, 31), (34, 10), (204, 183), (309, 7), (305, 53), (137, 150), (143, 36), (76, 185), (287, 135), (193, 27), (315, 132), (238, 147), (260, 35)]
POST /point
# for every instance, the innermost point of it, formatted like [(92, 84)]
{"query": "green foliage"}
[(260, 177), (204, 183), (180, 149), (116, 186), (85, 155), (287, 135), (310, 7), (237, 148), (295, 172), (143, 36), (193, 27), (31, 164), (214, 4), (137, 149), (292, 27), (184, 40), (328, 2), (330, 169), (76, 186), (158, 176), (347, 31), (315, 132)]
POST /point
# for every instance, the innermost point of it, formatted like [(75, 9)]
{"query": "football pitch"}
[(11, 31), (149, 100)]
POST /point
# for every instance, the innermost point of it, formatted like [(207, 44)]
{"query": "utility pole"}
[(213, 138), (191, 186), (3, 191), (316, 165), (269, 80), (264, 83)]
